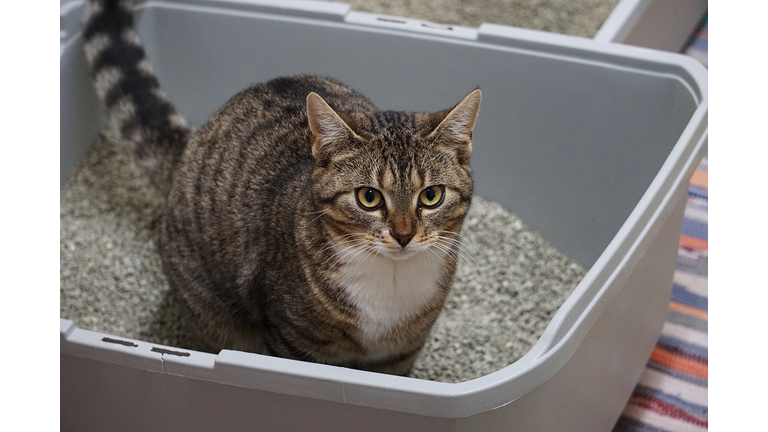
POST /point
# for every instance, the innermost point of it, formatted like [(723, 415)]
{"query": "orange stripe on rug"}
[(672, 361), (689, 310), (700, 178), (689, 242)]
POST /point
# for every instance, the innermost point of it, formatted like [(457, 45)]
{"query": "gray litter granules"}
[(573, 17), (508, 286)]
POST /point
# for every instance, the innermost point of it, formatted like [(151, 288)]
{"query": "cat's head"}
[(394, 183)]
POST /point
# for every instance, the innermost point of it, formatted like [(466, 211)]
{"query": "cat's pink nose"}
[(403, 238)]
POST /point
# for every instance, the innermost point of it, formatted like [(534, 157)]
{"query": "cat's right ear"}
[(455, 129), (329, 131)]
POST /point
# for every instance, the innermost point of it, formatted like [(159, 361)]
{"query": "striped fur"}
[(264, 235)]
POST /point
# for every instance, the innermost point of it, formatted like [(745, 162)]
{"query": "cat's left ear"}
[(455, 129), (330, 132)]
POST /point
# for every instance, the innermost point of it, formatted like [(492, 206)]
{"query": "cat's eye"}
[(432, 196), (369, 198)]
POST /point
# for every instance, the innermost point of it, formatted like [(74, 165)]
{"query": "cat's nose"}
[(403, 238)]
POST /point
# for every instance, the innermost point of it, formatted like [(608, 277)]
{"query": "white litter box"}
[(590, 143)]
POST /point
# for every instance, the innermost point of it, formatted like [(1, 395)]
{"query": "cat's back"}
[(267, 109), (262, 132)]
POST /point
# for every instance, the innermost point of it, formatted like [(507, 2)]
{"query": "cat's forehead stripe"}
[(416, 178), (389, 177)]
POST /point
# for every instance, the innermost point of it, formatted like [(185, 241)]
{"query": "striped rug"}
[(672, 392)]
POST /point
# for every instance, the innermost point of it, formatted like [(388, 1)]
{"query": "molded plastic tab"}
[(101, 346), (411, 25), (193, 364)]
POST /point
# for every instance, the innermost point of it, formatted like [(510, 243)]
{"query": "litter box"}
[(590, 143)]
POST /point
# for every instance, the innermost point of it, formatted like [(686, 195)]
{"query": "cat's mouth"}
[(404, 252)]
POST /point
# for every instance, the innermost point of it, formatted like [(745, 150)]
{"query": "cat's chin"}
[(404, 253)]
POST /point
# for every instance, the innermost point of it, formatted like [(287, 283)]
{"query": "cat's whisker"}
[(369, 252), (355, 246), (348, 245), (460, 246), (348, 235), (435, 254), (449, 241), (362, 249), (454, 233), (460, 237), (471, 262), (448, 251), (343, 253), (321, 214), (339, 239), (359, 267), (468, 255), (468, 258), (464, 245), (458, 260)]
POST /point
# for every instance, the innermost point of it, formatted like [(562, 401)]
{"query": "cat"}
[(300, 221)]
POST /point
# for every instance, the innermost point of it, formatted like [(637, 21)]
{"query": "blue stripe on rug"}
[(669, 343), (700, 44), (697, 229), (683, 296), (698, 192), (689, 407)]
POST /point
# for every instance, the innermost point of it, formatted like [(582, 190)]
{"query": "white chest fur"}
[(387, 291)]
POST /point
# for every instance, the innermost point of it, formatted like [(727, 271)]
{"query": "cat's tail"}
[(137, 108)]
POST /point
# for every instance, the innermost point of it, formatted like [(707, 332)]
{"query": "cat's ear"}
[(329, 130), (455, 129)]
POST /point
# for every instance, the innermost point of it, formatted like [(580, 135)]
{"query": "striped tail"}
[(126, 83)]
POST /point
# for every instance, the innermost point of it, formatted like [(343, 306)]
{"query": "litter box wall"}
[(589, 143), (657, 24)]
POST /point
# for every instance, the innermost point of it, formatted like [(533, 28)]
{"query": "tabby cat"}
[(300, 221)]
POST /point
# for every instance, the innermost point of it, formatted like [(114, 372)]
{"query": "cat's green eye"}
[(432, 196), (369, 198)]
